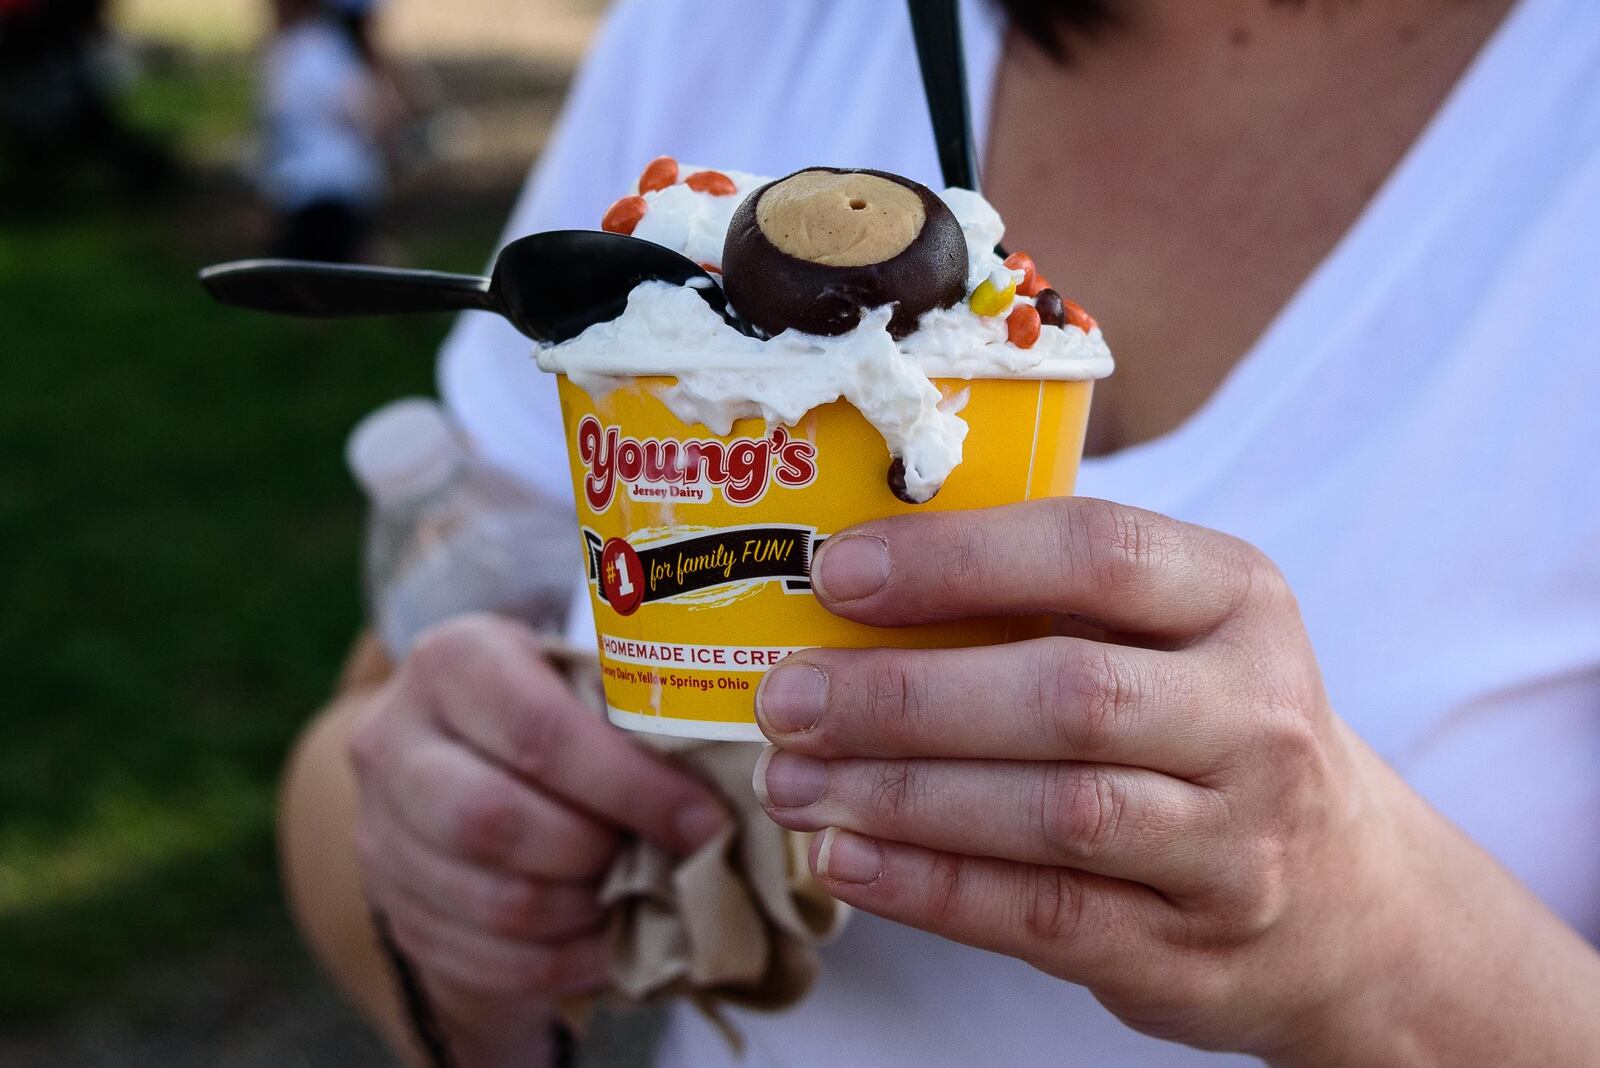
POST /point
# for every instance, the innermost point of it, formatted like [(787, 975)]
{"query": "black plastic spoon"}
[(551, 286)]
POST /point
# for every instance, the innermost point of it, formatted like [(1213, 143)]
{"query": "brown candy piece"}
[(897, 483), (1051, 308), (813, 250)]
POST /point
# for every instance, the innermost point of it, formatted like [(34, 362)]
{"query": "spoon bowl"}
[(551, 286), (554, 285)]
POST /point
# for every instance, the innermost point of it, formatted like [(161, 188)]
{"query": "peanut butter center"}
[(841, 220)]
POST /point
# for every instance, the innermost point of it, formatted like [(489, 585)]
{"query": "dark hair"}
[(1049, 24)]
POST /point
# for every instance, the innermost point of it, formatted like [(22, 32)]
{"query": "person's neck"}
[(1227, 52), (1208, 155)]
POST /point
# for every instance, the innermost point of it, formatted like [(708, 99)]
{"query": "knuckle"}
[(960, 560), (1133, 538), (896, 790), (1300, 806), (422, 773), (1244, 909), (1093, 692), (1260, 905), (896, 698), (1108, 698), (946, 888), (1082, 812), (1110, 543), (449, 647), (1054, 905), (1289, 745), (1264, 577), (535, 734), (488, 822), (1291, 692), (1259, 581), (513, 909)]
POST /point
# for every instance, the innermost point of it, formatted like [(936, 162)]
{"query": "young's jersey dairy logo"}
[(689, 471)]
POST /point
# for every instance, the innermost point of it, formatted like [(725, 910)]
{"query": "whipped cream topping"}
[(723, 375)]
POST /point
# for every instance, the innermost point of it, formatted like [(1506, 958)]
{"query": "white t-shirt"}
[(318, 144), (1415, 441)]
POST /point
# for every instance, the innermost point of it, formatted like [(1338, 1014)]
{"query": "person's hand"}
[(1168, 813), (491, 801)]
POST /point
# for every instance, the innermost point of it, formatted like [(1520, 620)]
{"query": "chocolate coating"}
[(775, 291)]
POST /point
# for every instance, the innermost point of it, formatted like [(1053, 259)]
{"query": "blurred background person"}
[(323, 171), (407, 96)]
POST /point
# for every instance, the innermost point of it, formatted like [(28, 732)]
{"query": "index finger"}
[(493, 690), (1047, 699), (1124, 568)]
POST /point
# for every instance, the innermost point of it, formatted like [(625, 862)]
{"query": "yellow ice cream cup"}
[(697, 547)]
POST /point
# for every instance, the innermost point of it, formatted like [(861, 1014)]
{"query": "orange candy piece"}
[(624, 215), (1021, 261), (658, 174), (714, 182), (1022, 326), (1033, 283), (1077, 317)]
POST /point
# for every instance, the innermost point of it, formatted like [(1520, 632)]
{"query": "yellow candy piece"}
[(992, 299)]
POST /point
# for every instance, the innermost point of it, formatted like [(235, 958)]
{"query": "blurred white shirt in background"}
[(318, 105)]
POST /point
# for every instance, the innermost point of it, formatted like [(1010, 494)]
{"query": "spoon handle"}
[(936, 26), (339, 290)]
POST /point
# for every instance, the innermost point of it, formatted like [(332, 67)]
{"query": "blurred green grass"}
[(201, 102), (179, 543)]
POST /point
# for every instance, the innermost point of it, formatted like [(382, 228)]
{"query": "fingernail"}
[(698, 823), (848, 858), (787, 780), (851, 567), (791, 698)]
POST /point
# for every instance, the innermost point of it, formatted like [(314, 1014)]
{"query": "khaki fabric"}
[(738, 922)]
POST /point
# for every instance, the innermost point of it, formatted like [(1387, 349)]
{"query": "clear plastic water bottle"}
[(449, 534)]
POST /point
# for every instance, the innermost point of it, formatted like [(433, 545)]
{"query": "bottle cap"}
[(404, 451)]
